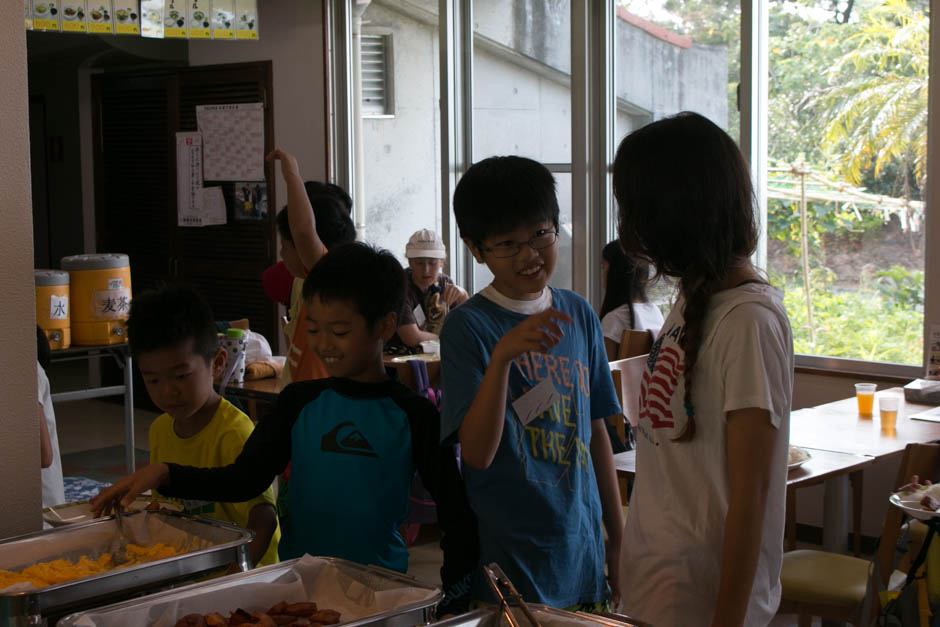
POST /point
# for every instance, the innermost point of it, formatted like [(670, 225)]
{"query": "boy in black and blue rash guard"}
[(353, 441)]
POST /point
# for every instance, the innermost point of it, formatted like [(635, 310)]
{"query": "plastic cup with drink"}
[(865, 394), (888, 409)]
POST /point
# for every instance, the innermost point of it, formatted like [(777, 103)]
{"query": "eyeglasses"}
[(542, 239)]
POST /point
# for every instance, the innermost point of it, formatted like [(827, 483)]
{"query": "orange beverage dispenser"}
[(52, 307), (100, 286)]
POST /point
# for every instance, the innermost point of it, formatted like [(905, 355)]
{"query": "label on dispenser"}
[(115, 284), (111, 303), (59, 307)]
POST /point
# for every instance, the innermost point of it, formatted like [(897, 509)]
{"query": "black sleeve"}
[(264, 456), (437, 466)]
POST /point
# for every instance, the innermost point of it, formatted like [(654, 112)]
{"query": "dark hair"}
[(500, 194), (43, 352), (687, 206), (369, 277), (168, 316), (626, 281), (334, 226), (337, 193)]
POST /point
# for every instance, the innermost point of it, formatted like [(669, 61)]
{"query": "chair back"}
[(922, 460), (634, 343)]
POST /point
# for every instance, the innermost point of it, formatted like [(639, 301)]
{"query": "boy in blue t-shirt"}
[(353, 440), (526, 390)]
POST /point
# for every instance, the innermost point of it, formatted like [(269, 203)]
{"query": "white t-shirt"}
[(647, 318), (672, 542), (527, 307), (53, 487)]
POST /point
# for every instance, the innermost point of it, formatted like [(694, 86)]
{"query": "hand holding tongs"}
[(497, 579)]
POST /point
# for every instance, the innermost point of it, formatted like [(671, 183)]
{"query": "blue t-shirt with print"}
[(537, 504)]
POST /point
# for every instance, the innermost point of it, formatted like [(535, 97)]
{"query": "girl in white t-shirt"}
[(702, 543), (625, 304)]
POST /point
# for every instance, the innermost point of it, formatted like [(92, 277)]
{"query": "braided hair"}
[(686, 205), (626, 281)]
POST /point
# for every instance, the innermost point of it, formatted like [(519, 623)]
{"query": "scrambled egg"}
[(58, 571)]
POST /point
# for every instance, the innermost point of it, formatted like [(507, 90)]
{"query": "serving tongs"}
[(499, 581)]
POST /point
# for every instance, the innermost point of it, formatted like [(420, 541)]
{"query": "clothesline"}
[(820, 189)]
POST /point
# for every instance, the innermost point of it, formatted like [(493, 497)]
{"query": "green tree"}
[(874, 108)]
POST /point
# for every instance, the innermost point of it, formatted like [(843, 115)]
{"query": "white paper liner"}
[(352, 592)]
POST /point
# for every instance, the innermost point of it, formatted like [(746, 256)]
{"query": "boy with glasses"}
[(526, 391)]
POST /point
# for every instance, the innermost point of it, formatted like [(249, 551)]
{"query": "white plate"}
[(73, 513), (400, 359), (799, 455), (908, 503)]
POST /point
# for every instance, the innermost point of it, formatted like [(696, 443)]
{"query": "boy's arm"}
[(303, 224), (264, 456), (482, 426), (263, 521), (437, 467), (609, 491)]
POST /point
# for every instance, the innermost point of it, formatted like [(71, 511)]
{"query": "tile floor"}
[(91, 436)]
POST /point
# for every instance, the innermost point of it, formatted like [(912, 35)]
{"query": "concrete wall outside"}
[(19, 463)]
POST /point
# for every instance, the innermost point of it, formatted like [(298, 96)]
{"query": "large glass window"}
[(672, 56), (400, 138), (847, 170), (522, 98)]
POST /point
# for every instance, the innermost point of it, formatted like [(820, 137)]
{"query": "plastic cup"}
[(888, 408), (865, 394)]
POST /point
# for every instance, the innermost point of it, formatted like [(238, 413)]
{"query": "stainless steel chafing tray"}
[(546, 616), (364, 595), (204, 544)]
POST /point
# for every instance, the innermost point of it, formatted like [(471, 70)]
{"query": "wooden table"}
[(838, 427)]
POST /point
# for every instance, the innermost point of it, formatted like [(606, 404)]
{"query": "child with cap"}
[(430, 293)]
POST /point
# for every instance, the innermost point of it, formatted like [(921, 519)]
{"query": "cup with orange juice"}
[(865, 394)]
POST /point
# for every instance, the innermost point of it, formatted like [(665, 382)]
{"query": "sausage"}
[(191, 620)]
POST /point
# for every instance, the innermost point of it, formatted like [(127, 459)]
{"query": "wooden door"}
[(136, 119)]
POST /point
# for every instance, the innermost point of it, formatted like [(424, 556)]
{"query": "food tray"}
[(545, 615), (206, 545), (364, 595)]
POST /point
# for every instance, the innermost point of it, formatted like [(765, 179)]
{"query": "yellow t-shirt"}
[(218, 444)]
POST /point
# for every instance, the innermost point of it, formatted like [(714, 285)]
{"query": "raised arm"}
[(303, 224)]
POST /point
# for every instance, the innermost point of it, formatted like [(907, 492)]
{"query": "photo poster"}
[(223, 19), (151, 18), (251, 200), (232, 141), (126, 17), (933, 353), (73, 17), (45, 15), (174, 21), (100, 17), (199, 25), (246, 20)]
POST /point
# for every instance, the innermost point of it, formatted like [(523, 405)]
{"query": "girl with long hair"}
[(702, 542), (625, 305)]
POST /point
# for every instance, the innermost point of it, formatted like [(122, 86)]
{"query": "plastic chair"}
[(834, 586)]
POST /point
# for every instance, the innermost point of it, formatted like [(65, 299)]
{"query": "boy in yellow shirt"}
[(173, 338)]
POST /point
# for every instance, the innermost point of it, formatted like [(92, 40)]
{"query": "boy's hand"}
[(539, 332), (289, 165), (123, 493)]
